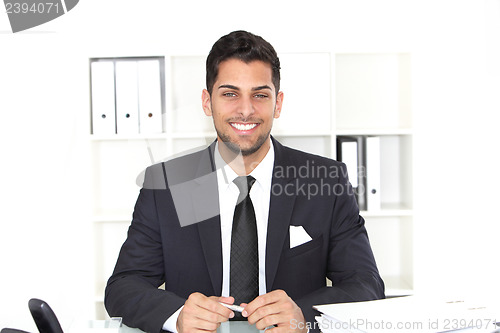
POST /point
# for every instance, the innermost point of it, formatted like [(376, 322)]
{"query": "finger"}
[(227, 300), (270, 321), (274, 296), (195, 318), (195, 312), (284, 320), (266, 312), (250, 308), (207, 308), (221, 309)]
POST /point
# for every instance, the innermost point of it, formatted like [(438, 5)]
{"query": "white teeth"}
[(243, 127)]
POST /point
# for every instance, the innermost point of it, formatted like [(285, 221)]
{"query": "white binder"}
[(373, 172), (150, 104), (103, 98), (350, 158), (127, 102)]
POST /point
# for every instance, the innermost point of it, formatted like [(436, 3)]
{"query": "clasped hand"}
[(204, 314)]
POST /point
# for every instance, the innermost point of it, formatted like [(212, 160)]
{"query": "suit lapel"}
[(280, 213), (209, 229), (211, 243)]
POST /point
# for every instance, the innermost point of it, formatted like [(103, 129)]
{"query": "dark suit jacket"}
[(307, 190)]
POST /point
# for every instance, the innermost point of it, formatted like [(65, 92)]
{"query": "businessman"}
[(245, 221)]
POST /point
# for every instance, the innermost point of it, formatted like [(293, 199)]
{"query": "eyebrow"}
[(230, 86)]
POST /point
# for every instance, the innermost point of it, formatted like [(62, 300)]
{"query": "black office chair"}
[(45, 319)]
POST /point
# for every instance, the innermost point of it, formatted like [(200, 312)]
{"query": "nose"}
[(246, 107)]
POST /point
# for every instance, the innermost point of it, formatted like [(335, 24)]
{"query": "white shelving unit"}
[(373, 98), (326, 94)]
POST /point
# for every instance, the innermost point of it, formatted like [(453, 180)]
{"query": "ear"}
[(279, 104), (206, 103)]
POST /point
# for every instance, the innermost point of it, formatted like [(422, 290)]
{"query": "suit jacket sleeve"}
[(350, 262), (132, 291)]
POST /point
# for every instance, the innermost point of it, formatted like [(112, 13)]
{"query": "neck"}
[(243, 165)]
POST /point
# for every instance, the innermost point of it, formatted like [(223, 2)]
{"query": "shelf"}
[(373, 91), (119, 137), (197, 135), (375, 131), (212, 134), (388, 210), (301, 134), (194, 135)]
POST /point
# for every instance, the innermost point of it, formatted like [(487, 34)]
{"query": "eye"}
[(260, 95), (229, 94)]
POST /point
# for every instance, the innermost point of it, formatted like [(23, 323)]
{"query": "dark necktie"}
[(244, 261)]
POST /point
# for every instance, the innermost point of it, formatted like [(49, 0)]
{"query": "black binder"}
[(358, 180)]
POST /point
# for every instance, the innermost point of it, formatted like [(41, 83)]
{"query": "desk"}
[(237, 327), (226, 327)]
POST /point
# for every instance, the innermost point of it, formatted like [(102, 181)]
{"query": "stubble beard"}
[(236, 149)]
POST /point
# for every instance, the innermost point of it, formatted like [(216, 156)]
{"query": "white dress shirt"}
[(260, 194)]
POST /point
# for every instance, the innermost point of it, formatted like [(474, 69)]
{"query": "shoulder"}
[(179, 169), (300, 157)]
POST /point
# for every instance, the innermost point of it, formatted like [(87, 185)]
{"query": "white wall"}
[(457, 101), (45, 239)]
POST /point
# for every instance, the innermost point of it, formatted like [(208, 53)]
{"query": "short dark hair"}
[(246, 47)]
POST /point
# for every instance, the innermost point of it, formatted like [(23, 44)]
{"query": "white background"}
[(45, 233)]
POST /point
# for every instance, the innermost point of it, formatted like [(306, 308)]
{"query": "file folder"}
[(350, 158), (103, 97), (373, 173), (351, 151), (150, 103), (127, 99)]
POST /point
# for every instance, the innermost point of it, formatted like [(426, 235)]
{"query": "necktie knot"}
[(244, 184)]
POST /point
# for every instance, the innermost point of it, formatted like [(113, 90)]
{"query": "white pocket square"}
[(298, 236)]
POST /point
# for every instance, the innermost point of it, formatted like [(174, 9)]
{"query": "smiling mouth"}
[(244, 127)]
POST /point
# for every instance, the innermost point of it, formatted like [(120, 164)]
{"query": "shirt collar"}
[(263, 173)]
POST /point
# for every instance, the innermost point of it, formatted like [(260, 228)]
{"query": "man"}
[(306, 225)]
